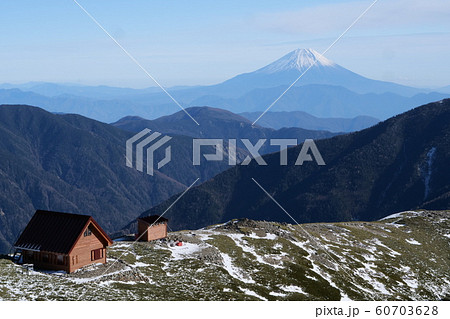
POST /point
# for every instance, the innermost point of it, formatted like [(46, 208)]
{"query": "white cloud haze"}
[(385, 15)]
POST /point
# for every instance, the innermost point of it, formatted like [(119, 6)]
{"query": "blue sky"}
[(205, 42)]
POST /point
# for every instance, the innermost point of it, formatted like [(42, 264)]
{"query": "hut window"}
[(45, 258), (96, 254), (87, 232)]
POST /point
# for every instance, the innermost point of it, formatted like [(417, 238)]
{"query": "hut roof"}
[(153, 219), (55, 232)]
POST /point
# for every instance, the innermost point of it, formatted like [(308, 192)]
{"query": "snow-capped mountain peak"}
[(299, 59)]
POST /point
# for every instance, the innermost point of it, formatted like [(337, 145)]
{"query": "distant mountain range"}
[(94, 92), (396, 165), (75, 164), (317, 100), (445, 89), (278, 120), (323, 101), (217, 123), (101, 110), (326, 90)]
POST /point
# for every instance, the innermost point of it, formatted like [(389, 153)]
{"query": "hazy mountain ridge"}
[(278, 120), (217, 123), (102, 110), (322, 101), (94, 92), (368, 174), (445, 89)]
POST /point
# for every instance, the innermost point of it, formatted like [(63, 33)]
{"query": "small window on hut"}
[(45, 258), (96, 254), (87, 232)]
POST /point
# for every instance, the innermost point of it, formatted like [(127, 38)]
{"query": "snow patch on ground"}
[(203, 236), (268, 236), (185, 251), (302, 244), (412, 283), (234, 271), (369, 275), (405, 269), (396, 215), (277, 246), (392, 252), (109, 282), (139, 264), (412, 241), (369, 257), (401, 215), (293, 289), (251, 293), (277, 294), (310, 277), (240, 242)]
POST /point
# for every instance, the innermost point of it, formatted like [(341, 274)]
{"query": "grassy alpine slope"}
[(402, 257)]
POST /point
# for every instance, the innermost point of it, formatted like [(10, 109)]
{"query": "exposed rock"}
[(211, 255)]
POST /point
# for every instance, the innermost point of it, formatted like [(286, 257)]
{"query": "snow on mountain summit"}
[(299, 59)]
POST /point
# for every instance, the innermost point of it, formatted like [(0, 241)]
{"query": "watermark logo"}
[(145, 141), (304, 156)]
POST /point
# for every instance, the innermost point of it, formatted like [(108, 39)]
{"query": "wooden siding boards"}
[(152, 228), (37, 259), (81, 254), (56, 241)]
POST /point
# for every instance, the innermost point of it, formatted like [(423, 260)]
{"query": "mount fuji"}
[(326, 90), (288, 68)]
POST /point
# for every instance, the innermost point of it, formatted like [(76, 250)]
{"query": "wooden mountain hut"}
[(62, 241), (152, 228)]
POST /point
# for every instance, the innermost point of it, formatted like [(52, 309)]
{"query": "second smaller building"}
[(152, 228)]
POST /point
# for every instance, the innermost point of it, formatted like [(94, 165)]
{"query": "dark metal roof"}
[(154, 219), (54, 232)]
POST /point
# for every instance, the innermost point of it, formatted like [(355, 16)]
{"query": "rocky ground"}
[(405, 256)]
